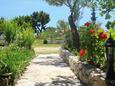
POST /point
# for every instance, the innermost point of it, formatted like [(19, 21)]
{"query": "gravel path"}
[(48, 70)]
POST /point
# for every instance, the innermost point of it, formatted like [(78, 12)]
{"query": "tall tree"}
[(39, 20), (75, 7), (107, 7), (110, 24), (2, 20), (93, 18)]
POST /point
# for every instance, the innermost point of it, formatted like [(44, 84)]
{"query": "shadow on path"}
[(48, 70), (51, 60), (62, 81)]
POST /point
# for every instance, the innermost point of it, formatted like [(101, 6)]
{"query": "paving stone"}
[(48, 70)]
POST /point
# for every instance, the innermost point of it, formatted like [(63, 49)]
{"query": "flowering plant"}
[(82, 52), (92, 38)]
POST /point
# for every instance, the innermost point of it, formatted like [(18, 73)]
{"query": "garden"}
[(22, 34), (92, 39), (18, 38), (15, 52)]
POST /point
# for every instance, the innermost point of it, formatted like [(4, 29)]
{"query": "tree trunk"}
[(75, 34)]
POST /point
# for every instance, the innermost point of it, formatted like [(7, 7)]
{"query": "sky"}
[(12, 8)]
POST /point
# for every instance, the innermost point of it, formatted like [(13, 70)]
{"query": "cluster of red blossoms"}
[(102, 35), (87, 24)]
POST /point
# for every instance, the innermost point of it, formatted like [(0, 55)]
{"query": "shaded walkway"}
[(48, 70)]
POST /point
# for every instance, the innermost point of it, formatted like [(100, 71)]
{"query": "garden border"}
[(86, 73)]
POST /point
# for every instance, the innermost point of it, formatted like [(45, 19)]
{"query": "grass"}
[(41, 48), (46, 50), (16, 60), (39, 43)]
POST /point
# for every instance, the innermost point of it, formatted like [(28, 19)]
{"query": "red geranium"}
[(91, 31), (103, 36), (82, 52), (87, 24)]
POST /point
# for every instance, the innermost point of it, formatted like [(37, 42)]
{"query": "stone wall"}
[(85, 72)]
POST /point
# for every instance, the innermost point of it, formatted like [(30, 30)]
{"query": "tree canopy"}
[(37, 20), (107, 7), (63, 25), (75, 7)]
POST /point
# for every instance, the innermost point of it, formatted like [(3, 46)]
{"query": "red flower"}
[(87, 24), (103, 36), (91, 31), (82, 52)]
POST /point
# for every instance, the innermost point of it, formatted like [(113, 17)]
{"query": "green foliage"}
[(39, 43), (46, 34), (37, 20), (52, 34), (15, 59), (112, 31), (23, 21), (25, 38), (63, 25), (110, 24), (1, 21), (55, 2), (40, 17), (93, 18), (9, 30), (75, 7), (106, 7), (16, 55), (68, 41), (93, 45), (45, 41)]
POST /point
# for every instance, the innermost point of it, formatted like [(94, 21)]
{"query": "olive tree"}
[(75, 7), (107, 7)]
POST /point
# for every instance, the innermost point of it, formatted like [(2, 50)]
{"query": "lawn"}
[(41, 48), (39, 43)]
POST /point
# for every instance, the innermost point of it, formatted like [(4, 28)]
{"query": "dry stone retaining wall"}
[(85, 72)]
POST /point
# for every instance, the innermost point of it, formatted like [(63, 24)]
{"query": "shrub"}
[(45, 41), (9, 30), (15, 59), (92, 39), (112, 31), (25, 38)]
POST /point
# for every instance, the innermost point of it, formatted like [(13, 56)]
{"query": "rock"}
[(86, 73)]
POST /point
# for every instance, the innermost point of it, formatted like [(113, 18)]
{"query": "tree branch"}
[(66, 4)]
